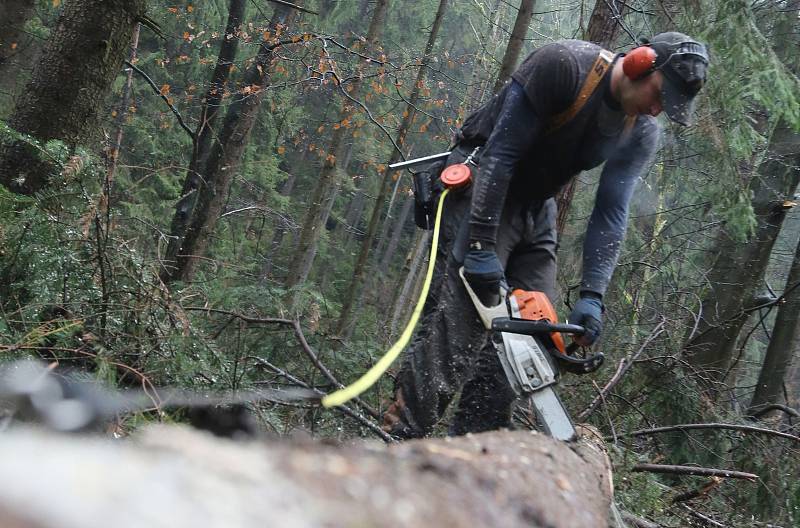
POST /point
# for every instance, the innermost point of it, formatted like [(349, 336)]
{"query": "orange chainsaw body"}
[(535, 306)]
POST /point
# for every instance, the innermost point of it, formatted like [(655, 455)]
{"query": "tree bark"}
[(504, 479), (514, 48), (119, 123), (783, 346), (739, 268), (226, 155), (397, 233), (354, 292), (782, 354), (68, 85), (209, 111), (280, 229), (315, 217), (411, 269)]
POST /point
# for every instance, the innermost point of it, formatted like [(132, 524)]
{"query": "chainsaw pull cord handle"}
[(369, 378)]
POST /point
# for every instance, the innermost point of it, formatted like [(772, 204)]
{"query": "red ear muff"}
[(639, 62)]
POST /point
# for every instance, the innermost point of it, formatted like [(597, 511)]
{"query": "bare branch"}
[(293, 6), (298, 332), (732, 427), (366, 422), (761, 411), (623, 368), (164, 97), (694, 470)]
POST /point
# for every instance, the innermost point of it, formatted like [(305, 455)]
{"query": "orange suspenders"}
[(601, 66)]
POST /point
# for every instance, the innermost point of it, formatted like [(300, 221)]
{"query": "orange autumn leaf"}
[(164, 89), (281, 150)]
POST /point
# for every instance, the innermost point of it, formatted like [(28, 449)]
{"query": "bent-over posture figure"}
[(569, 107)]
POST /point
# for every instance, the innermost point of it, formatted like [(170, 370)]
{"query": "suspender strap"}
[(601, 66)]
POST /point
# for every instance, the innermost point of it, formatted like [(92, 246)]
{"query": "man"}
[(569, 107)]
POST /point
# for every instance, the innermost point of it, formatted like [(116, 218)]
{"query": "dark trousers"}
[(451, 350)]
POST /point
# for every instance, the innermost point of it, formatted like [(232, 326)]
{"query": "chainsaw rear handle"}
[(534, 328)]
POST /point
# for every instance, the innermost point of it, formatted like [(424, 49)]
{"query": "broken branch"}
[(694, 470), (732, 427)]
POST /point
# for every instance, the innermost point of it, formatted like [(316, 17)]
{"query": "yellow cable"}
[(372, 375)]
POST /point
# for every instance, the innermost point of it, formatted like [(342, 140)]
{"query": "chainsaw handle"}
[(533, 328)]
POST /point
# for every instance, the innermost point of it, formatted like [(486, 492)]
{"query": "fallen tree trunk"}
[(173, 476)]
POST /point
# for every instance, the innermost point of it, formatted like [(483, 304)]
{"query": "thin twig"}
[(298, 332), (294, 6), (732, 427), (366, 422), (623, 368), (164, 97), (762, 410), (702, 517), (702, 491), (637, 521), (694, 470)]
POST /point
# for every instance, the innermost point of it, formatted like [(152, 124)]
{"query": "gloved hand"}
[(483, 271), (588, 312)]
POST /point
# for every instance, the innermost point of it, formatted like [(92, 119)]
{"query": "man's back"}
[(550, 79)]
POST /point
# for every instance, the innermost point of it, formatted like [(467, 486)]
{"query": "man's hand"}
[(483, 271), (588, 312)]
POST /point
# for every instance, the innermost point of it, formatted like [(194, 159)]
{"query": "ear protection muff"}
[(639, 63)]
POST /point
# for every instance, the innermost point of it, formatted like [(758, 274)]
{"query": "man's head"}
[(665, 74)]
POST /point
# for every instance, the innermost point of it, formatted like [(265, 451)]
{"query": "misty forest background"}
[(197, 195)]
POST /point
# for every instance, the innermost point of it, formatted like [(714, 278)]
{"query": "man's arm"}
[(517, 128), (609, 218)]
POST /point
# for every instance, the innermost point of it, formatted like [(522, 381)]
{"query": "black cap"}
[(684, 62)]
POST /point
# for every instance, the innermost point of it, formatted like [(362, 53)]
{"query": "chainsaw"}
[(531, 349)]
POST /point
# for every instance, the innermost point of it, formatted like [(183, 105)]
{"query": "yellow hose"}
[(372, 375)]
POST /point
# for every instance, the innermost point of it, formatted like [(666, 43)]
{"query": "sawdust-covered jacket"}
[(523, 154)]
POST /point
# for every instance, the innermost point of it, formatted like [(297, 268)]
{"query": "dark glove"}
[(483, 271), (588, 312)]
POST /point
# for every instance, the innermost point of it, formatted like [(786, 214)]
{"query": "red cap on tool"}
[(457, 175)]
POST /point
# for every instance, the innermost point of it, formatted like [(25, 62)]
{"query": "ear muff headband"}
[(639, 62), (644, 60)]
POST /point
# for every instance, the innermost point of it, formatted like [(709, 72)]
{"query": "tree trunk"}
[(605, 22), (280, 230), (510, 479), (315, 217), (119, 123), (784, 344), (604, 27), (226, 155), (397, 233), (739, 268), (514, 48), (68, 85), (354, 212), (354, 292), (411, 269), (209, 111)]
